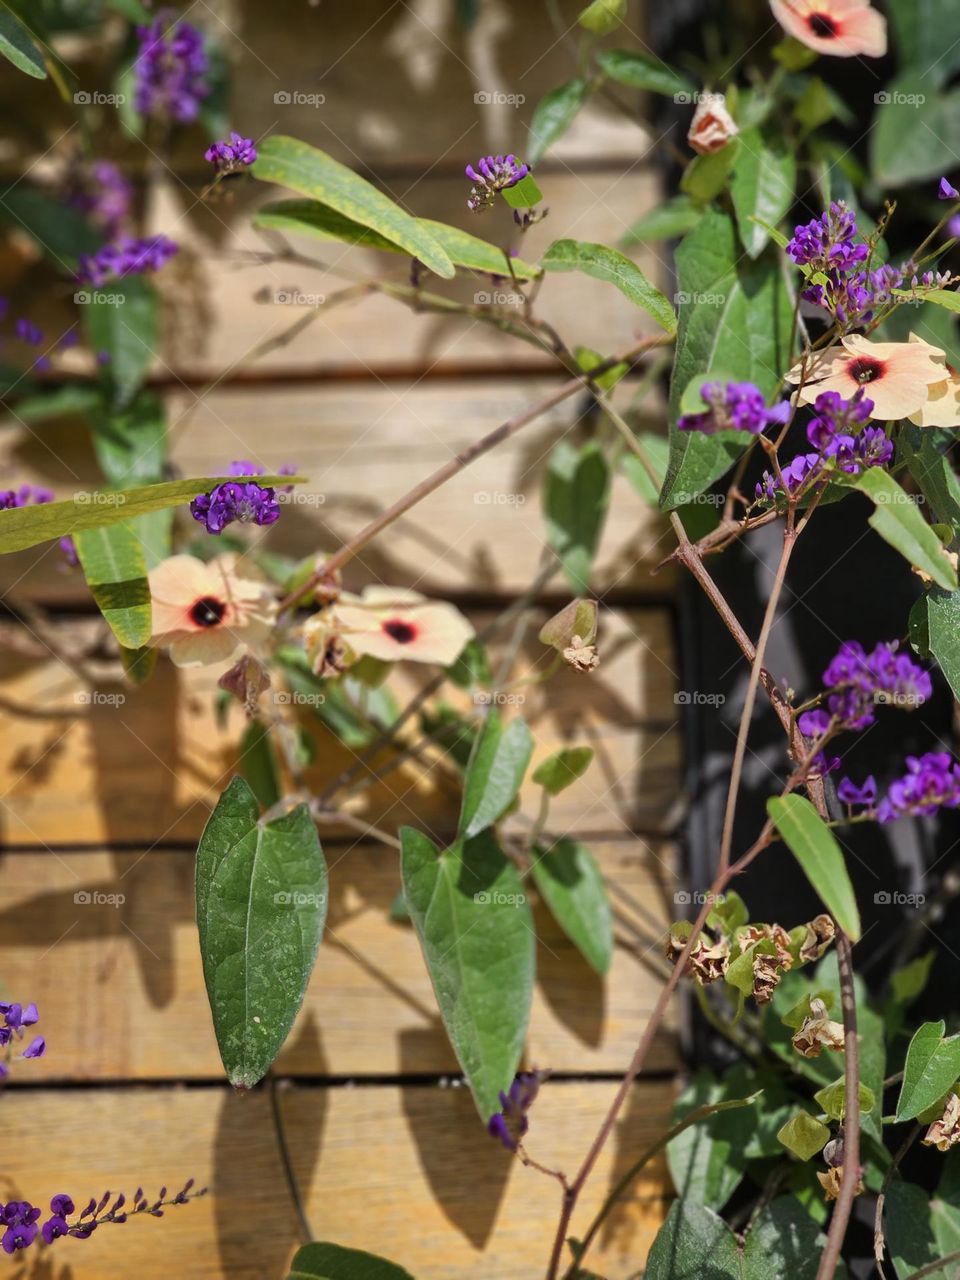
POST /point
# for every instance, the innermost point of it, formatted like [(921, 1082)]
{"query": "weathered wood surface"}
[(362, 446), (122, 926), (406, 1170), (88, 764)]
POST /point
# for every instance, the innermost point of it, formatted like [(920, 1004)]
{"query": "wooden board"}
[(407, 1171), (116, 764), (370, 1009)]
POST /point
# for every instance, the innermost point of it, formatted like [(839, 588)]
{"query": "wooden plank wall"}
[(104, 788)]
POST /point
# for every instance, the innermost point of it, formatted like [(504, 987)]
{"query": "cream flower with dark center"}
[(203, 613), (897, 377), (843, 28), (391, 625)]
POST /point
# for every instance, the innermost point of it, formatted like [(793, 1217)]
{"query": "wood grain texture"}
[(115, 764), (362, 447), (408, 1172), (370, 1008)]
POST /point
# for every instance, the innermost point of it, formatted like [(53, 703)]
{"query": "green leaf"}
[(17, 46), (943, 634), (571, 884), (313, 173), (134, 10), (608, 264), (946, 298), (764, 178), (476, 932), (931, 1068), (73, 399), (61, 232), (706, 176), (641, 71), (309, 217), (911, 136), (899, 522), (322, 1261), (803, 1135), (131, 447), (28, 526), (833, 1101), (139, 664), (258, 764), (814, 846), (696, 1244), (707, 1161), (657, 449), (932, 472), (123, 319), (907, 983), (603, 16), (116, 573), (918, 29), (910, 1231), (261, 904), (497, 765), (576, 494), (734, 315), (563, 768), (675, 217), (553, 116), (523, 194)]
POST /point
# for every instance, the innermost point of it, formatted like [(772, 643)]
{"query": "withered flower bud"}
[(831, 1180), (818, 1032), (712, 126), (246, 680), (580, 655), (945, 1132), (820, 933)]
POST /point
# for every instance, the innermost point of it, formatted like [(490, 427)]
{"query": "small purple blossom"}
[(946, 192), (36, 1048), (101, 191), (493, 174), (734, 406), (815, 723), (856, 681), (829, 242), (862, 797), (24, 497), (28, 332), (248, 503), (932, 781), (127, 256), (510, 1123), (170, 69), (230, 157)]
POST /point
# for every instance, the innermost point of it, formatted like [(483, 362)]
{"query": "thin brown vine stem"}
[(750, 698), (878, 1233), (457, 464), (850, 1178)]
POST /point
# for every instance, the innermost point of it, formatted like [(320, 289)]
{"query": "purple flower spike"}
[(124, 258), (932, 781), (734, 406), (946, 192), (493, 174), (510, 1123), (248, 503), (232, 156), (170, 69), (864, 797)]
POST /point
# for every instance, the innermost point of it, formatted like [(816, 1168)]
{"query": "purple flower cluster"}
[(842, 443), (229, 157), (828, 247), (18, 1218), (14, 1020), (734, 406), (124, 257), (248, 503), (932, 782), (856, 681), (170, 69), (492, 174), (102, 192), (510, 1123)]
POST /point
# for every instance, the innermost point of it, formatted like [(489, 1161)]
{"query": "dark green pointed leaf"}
[(16, 45), (524, 194), (707, 1161), (138, 664), (803, 1135), (764, 177), (931, 1068), (123, 320), (674, 218), (918, 28), (908, 983), (563, 768), (476, 932), (899, 522), (642, 71), (932, 471), (116, 573), (497, 765), (28, 526), (706, 176), (910, 140), (943, 633), (322, 1261), (735, 315), (553, 116), (576, 494), (910, 1231), (572, 886), (258, 764), (815, 847), (295, 164), (309, 217), (608, 264), (261, 904)]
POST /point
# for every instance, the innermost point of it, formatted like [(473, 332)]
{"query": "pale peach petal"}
[(175, 584), (942, 407), (858, 29), (201, 648), (439, 632)]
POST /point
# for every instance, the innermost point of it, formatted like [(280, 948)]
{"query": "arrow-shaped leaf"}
[(932, 1066), (261, 905), (17, 46), (323, 1261), (572, 886), (495, 771), (899, 522)]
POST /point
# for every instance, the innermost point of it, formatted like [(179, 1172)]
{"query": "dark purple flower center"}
[(402, 632), (821, 24), (208, 611), (866, 369)]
